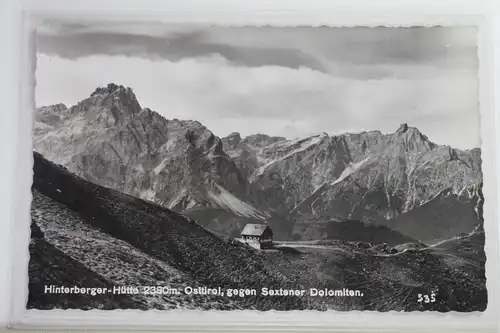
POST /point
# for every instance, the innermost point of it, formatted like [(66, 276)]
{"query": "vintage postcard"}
[(190, 167)]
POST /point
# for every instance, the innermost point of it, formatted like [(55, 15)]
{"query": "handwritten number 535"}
[(426, 298)]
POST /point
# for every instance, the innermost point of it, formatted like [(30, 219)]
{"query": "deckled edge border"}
[(219, 319)]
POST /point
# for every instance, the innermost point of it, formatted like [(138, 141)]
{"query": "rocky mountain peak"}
[(234, 135), (51, 115), (59, 107), (402, 128), (52, 108), (412, 139), (125, 95), (201, 138), (232, 140), (110, 89), (262, 140), (409, 130), (112, 104)]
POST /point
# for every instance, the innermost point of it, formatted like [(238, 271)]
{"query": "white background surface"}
[(16, 159)]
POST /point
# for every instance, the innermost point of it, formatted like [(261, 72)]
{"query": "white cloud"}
[(277, 100)]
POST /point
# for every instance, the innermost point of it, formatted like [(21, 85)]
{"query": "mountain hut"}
[(258, 234)]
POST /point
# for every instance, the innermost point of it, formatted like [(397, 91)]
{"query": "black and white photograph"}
[(192, 167)]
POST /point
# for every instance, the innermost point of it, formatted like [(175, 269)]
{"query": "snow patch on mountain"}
[(177, 199), (304, 142), (349, 170), (148, 194), (164, 162), (303, 145), (161, 166), (225, 199)]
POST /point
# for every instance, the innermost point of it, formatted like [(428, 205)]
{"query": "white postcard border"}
[(16, 132)]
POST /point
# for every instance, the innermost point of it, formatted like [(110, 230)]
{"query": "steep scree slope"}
[(50, 266)]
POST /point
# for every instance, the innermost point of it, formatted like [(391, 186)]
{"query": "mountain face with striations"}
[(363, 176), (110, 140)]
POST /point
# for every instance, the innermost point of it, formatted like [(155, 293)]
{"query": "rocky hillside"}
[(371, 177), (49, 265)]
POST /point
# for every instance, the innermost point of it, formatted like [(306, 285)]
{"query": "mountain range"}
[(123, 196), (301, 187)]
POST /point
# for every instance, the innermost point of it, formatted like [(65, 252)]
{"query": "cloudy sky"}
[(279, 81)]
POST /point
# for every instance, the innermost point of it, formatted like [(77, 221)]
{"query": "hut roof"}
[(254, 229)]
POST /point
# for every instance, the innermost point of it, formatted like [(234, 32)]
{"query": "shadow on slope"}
[(443, 217), (350, 231), (219, 220), (49, 266), (227, 223)]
